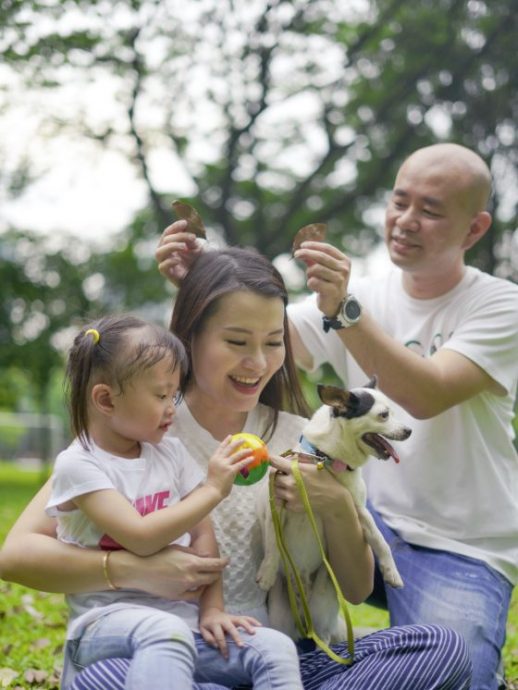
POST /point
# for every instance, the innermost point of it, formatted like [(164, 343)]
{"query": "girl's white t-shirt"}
[(162, 475)]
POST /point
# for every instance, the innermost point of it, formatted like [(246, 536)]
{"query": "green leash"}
[(304, 623)]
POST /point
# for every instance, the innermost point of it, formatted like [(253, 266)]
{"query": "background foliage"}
[(275, 112), (272, 113), (279, 111)]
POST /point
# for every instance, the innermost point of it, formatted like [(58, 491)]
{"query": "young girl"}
[(121, 484)]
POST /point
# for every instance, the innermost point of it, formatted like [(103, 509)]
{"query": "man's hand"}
[(327, 273), (177, 249)]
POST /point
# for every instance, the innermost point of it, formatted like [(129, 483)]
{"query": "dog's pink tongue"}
[(339, 466), (393, 453)]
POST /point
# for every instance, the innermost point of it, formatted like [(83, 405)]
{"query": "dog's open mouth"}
[(381, 447)]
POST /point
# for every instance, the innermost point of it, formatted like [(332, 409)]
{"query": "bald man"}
[(442, 339)]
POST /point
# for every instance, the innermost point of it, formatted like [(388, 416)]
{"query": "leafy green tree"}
[(126, 275), (50, 288), (281, 112), (42, 295)]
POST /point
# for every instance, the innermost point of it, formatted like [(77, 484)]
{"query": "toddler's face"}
[(144, 410)]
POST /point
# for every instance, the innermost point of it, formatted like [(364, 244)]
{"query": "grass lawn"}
[(32, 623)]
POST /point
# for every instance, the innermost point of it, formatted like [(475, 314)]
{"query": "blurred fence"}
[(31, 439)]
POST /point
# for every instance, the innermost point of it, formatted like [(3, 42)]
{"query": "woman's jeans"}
[(445, 588), (165, 653)]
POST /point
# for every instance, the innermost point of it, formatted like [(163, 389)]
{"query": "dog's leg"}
[(279, 611), (380, 547), (323, 605)]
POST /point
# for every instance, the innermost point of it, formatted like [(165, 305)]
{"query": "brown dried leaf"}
[(54, 680), (194, 222), (33, 612), (34, 675), (316, 232), (7, 675), (41, 643)]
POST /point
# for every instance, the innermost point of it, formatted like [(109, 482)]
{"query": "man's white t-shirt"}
[(456, 488)]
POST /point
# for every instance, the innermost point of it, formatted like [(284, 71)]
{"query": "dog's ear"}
[(331, 395), (372, 383), (344, 402)]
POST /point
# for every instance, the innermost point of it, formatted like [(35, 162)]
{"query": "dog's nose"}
[(406, 433)]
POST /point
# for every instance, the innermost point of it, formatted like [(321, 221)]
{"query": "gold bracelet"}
[(106, 574)]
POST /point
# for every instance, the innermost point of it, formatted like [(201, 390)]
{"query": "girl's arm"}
[(204, 540), (215, 622), (144, 535), (32, 556)]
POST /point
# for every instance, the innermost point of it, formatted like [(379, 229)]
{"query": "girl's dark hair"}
[(217, 273), (104, 351)]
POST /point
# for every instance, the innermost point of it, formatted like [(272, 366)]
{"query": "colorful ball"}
[(259, 465)]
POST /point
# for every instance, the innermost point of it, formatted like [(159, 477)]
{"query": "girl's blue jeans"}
[(165, 653), (445, 588)]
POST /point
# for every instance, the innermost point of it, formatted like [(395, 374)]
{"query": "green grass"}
[(32, 624)]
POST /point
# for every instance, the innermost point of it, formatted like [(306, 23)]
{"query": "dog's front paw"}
[(392, 577), (267, 574)]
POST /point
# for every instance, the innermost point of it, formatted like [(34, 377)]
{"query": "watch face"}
[(352, 310)]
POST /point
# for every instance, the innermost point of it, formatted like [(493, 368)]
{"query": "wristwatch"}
[(348, 314)]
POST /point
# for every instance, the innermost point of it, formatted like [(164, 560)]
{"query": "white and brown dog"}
[(348, 428)]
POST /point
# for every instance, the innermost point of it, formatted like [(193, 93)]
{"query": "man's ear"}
[(480, 224), (102, 398)]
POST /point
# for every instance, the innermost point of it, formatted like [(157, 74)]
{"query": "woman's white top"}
[(235, 519)]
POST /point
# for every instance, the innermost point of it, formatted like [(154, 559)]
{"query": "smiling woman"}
[(244, 342), (230, 314)]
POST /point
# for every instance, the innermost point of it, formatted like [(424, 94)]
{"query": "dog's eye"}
[(384, 414)]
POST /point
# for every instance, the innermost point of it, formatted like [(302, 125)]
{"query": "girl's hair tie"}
[(94, 333)]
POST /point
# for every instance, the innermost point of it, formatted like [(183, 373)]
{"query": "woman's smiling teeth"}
[(245, 380)]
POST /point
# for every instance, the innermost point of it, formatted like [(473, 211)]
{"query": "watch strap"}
[(331, 322), (343, 318)]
